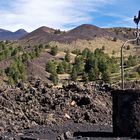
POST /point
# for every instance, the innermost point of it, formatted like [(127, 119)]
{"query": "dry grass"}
[(64, 76), (60, 54), (109, 45)]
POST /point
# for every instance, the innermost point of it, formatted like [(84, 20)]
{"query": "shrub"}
[(67, 56), (114, 39), (54, 78), (106, 76), (93, 74), (58, 31), (132, 61), (74, 74), (85, 77), (128, 47), (103, 48), (76, 51), (86, 52), (134, 75), (60, 68), (47, 46), (138, 70), (16, 71), (51, 67), (54, 50)]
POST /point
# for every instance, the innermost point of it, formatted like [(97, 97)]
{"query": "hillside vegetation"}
[(86, 53)]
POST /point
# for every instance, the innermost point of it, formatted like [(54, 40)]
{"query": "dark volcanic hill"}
[(42, 34), (122, 33), (39, 32), (85, 31), (8, 35)]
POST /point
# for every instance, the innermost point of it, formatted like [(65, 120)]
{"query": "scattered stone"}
[(32, 104), (67, 116), (68, 135), (73, 103), (11, 138), (61, 137), (1, 130)]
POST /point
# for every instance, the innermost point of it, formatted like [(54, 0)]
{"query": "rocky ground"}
[(34, 111)]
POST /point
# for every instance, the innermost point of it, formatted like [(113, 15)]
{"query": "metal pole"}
[(122, 70), (122, 60), (136, 20)]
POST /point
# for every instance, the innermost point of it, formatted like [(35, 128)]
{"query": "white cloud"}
[(31, 14)]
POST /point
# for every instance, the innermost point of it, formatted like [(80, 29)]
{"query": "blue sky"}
[(66, 14)]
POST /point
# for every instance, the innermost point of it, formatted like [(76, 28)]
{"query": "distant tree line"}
[(88, 66)]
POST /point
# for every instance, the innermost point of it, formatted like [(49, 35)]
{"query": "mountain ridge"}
[(9, 35), (46, 34)]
